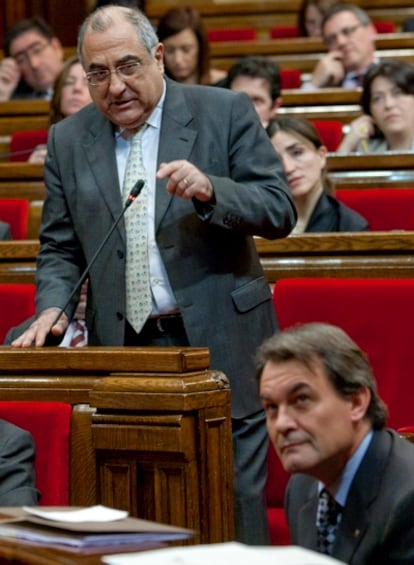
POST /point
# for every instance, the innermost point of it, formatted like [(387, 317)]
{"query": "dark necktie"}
[(327, 520)]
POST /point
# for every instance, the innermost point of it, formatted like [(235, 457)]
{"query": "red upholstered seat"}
[(290, 78), (49, 424), (17, 302), (385, 27), (330, 131), (378, 314), (384, 208), (22, 143), (15, 211), (284, 32), (232, 34)]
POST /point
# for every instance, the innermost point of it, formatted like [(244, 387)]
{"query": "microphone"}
[(133, 195)]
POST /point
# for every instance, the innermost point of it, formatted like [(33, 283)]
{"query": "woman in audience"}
[(304, 159), (186, 49), (70, 94), (310, 16), (388, 104)]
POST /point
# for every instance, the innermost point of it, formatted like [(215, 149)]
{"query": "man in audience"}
[(259, 78), (5, 233), (33, 58), (17, 478), (349, 36), (351, 494)]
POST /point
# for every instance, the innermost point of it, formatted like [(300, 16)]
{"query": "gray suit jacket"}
[(17, 453), (208, 252), (377, 525)]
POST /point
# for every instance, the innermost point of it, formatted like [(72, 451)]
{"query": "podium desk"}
[(150, 429)]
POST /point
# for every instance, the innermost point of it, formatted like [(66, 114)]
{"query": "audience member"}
[(70, 94), (349, 36), (259, 78), (212, 181), (310, 16), (388, 104), (186, 47), (17, 476), (33, 58), (5, 232), (327, 424), (304, 158)]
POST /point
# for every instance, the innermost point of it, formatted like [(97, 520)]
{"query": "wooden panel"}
[(156, 458)]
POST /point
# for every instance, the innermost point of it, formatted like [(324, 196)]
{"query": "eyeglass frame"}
[(136, 65), (347, 32), (36, 48)]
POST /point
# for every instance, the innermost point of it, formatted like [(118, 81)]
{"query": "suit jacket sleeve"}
[(17, 477)]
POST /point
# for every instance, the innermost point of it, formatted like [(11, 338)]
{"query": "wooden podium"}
[(150, 429)]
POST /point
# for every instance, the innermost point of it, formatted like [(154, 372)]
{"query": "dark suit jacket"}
[(331, 215), (208, 252), (377, 526), (17, 453)]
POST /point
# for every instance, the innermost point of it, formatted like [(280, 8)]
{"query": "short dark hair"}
[(31, 24), (358, 12), (257, 66), (317, 344), (400, 73)]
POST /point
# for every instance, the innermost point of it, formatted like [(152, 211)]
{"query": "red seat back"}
[(49, 424), (290, 78), (22, 143), (376, 313), (330, 132), (384, 208), (232, 34), (385, 27), (15, 211), (17, 302), (284, 32)]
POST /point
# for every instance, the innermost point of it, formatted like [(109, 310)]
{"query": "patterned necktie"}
[(79, 335), (138, 289), (327, 520)]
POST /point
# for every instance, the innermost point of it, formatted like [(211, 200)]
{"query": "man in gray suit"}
[(326, 422), (17, 480), (5, 233), (213, 182)]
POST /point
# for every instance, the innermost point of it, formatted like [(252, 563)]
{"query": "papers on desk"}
[(73, 527), (220, 553)]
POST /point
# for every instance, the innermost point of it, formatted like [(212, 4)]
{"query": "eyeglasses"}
[(102, 76), (22, 57), (331, 40)]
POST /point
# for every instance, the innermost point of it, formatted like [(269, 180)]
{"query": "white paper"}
[(232, 552), (97, 513)]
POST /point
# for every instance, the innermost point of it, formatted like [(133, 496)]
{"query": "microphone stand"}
[(135, 192)]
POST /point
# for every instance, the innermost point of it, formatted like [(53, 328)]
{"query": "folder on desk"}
[(19, 524)]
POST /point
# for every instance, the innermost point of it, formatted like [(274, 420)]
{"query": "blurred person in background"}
[(186, 47), (388, 104), (33, 57), (70, 94)]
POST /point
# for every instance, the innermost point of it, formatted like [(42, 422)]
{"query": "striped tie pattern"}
[(138, 289)]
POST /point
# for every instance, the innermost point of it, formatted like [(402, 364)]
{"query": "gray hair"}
[(358, 12), (101, 20), (317, 344)]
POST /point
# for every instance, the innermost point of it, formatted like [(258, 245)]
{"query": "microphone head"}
[(136, 189)]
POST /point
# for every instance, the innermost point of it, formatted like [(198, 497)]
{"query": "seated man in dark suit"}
[(32, 61), (17, 454), (351, 494)]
